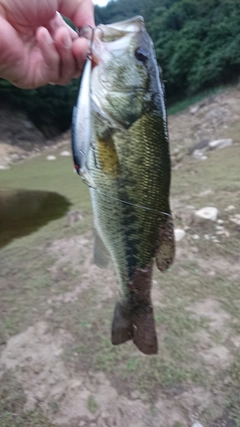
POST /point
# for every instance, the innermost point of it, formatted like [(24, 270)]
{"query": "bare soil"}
[(57, 364)]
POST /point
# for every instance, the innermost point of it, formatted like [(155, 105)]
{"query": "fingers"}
[(68, 64), (58, 22), (80, 50), (50, 66), (63, 58), (80, 13)]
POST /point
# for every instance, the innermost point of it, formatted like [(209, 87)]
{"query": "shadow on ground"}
[(23, 212)]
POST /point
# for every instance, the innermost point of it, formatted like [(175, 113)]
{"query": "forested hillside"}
[(197, 45), (197, 41)]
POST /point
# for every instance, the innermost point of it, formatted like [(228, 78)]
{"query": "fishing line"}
[(219, 245), (129, 203)]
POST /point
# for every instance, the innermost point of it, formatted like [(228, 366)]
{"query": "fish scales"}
[(129, 231), (129, 164)]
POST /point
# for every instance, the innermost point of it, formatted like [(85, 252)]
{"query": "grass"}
[(233, 407), (92, 404), (27, 284), (12, 401)]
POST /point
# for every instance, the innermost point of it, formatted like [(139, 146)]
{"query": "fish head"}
[(125, 83)]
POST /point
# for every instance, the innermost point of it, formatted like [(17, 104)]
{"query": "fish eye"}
[(141, 54)]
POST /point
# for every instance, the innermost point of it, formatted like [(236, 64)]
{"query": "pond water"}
[(23, 211)]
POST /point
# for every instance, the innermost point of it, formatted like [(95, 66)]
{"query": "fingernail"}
[(66, 41)]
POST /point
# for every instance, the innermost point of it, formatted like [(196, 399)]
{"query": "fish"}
[(129, 165)]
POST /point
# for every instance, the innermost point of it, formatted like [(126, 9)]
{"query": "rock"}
[(2, 167), (16, 129), (51, 157), (230, 208), (74, 216), (200, 146), (194, 109), (185, 215), (197, 424), (179, 234), (220, 143), (235, 219), (198, 154), (223, 233), (207, 213), (205, 193), (65, 153)]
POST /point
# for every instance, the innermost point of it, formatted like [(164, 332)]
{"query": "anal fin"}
[(101, 255), (122, 328)]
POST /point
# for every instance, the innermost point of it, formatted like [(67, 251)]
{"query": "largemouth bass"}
[(129, 166)]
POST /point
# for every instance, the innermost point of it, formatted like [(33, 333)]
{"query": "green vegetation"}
[(197, 42), (92, 404), (12, 401), (63, 288), (48, 107), (197, 47)]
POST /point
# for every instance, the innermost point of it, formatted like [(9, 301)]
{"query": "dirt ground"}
[(57, 364)]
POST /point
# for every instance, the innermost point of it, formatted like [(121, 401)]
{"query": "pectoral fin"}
[(166, 248), (101, 255)]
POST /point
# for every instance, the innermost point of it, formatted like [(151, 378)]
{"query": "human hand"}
[(37, 46)]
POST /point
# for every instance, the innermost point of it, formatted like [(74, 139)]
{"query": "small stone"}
[(65, 153), (230, 208), (197, 424), (51, 157), (195, 236), (206, 193), (207, 213), (220, 143), (212, 273), (198, 154), (194, 250), (220, 221), (2, 167), (235, 219), (223, 233), (179, 234), (194, 109)]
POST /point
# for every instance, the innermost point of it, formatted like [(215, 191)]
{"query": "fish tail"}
[(144, 333), (137, 325)]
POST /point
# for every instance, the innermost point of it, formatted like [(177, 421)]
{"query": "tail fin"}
[(137, 325)]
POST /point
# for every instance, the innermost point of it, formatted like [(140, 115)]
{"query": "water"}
[(22, 212)]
